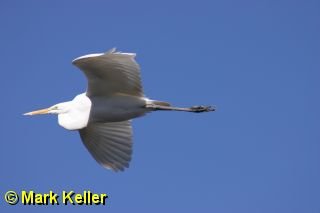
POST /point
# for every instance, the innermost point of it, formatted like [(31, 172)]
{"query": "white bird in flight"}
[(102, 114)]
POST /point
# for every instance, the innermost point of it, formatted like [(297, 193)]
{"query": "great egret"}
[(102, 114)]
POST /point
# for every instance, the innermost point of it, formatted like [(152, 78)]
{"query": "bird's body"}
[(116, 108), (102, 114), (119, 107)]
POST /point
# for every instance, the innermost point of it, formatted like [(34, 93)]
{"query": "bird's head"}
[(55, 109), (72, 115)]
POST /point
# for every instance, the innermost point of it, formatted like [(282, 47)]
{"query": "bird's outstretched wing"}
[(110, 144), (110, 73)]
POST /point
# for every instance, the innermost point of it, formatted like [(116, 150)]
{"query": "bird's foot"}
[(198, 109)]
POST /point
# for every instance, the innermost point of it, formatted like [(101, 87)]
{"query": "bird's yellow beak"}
[(39, 112)]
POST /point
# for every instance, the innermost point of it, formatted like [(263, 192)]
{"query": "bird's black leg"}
[(202, 108), (196, 109)]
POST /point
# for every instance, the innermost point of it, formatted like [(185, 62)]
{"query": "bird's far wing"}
[(110, 144), (111, 72)]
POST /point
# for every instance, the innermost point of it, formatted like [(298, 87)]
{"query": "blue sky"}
[(257, 61)]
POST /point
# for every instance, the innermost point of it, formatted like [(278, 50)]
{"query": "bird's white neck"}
[(77, 114)]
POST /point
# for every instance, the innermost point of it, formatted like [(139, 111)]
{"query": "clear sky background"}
[(257, 61)]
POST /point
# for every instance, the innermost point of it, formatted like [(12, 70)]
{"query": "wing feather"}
[(110, 73), (110, 144)]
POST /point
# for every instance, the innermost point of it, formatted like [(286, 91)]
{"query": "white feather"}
[(76, 113)]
